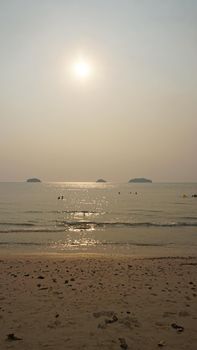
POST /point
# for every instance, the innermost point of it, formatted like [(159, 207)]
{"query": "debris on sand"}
[(179, 329), (12, 337)]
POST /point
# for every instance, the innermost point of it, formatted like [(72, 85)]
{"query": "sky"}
[(135, 115)]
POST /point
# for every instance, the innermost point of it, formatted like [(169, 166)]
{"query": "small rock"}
[(103, 313), (161, 343), (115, 318), (112, 320), (40, 277), (123, 343), (179, 329)]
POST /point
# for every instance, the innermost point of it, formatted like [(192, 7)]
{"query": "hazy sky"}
[(136, 115)]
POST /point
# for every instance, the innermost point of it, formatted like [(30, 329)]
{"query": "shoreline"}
[(7, 255), (133, 251), (134, 242), (98, 301)]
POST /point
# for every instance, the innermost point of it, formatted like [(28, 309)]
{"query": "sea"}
[(146, 219)]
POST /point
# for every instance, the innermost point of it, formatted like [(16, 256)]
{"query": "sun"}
[(82, 69)]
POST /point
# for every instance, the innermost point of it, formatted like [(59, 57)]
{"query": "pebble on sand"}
[(123, 343)]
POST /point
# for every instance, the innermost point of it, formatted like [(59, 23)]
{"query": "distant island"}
[(34, 179), (101, 180), (140, 180)]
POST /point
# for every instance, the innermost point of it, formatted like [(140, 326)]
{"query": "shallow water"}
[(98, 217)]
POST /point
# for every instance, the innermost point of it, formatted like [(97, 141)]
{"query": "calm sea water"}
[(125, 218)]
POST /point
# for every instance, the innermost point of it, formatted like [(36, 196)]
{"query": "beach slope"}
[(97, 302)]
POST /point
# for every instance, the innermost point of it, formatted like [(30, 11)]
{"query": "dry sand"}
[(98, 302)]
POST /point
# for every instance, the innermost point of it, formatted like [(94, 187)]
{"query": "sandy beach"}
[(97, 302)]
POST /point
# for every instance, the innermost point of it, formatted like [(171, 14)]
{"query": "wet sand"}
[(97, 302)]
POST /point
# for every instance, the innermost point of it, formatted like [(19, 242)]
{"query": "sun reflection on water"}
[(73, 243)]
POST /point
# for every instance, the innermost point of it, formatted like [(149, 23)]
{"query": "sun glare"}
[(82, 69)]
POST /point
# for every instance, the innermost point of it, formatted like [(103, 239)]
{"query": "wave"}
[(145, 210), (190, 217), (126, 224), (22, 243), (33, 211), (63, 212), (17, 224), (138, 244), (96, 243), (35, 230), (81, 212), (86, 225)]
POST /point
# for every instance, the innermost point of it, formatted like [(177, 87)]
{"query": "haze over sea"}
[(140, 219)]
